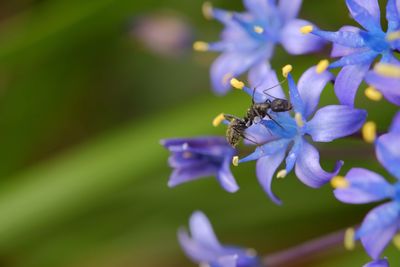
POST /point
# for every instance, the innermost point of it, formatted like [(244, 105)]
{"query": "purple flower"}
[(358, 48), (386, 79), (193, 158), (378, 263), (249, 37), (203, 246), (364, 186), (286, 138)]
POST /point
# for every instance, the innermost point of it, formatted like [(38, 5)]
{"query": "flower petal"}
[(378, 228), (378, 263), (225, 177), (392, 15), (310, 86), (202, 231), (260, 8), (308, 169), (388, 152), (386, 85), (191, 173), (266, 167), (358, 58), (289, 9), (339, 50), (335, 121), (364, 186), (268, 149), (226, 261), (395, 126), (348, 81), (342, 37), (366, 13), (262, 77), (259, 134), (295, 97), (297, 43), (194, 250)]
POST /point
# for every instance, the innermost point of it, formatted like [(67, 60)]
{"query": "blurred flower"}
[(378, 263), (287, 138), (386, 79), (163, 34), (204, 248), (364, 186), (358, 48), (249, 37), (194, 158)]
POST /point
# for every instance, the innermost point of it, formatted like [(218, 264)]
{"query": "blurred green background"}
[(85, 95)]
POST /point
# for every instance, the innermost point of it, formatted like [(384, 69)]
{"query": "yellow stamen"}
[(339, 182), (207, 10), (227, 77), (281, 174), (237, 84), (369, 132), (217, 120), (387, 70), (393, 36), (349, 242), (322, 66), (286, 69), (299, 119), (200, 46), (258, 29), (373, 94), (235, 161), (306, 29), (396, 241)]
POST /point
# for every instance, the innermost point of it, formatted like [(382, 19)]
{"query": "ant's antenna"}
[(280, 83)]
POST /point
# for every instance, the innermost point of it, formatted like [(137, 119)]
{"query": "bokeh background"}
[(87, 89)]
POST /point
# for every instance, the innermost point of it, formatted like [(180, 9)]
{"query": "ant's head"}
[(281, 105)]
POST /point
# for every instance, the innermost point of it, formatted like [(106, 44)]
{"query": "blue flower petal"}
[(359, 58), (378, 228), (339, 50), (348, 81), (202, 231), (266, 167), (366, 13), (191, 173), (297, 43), (295, 98), (289, 9), (225, 177), (267, 149), (389, 87), (308, 168), (378, 263), (259, 134), (260, 8), (392, 15), (395, 126), (283, 125), (292, 155), (348, 38), (225, 261), (310, 86), (335, 121), (364, 186), (388, 152)]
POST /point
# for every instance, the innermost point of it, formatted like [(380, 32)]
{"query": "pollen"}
[(207, 10), (392, 36), (306, 29), (286, 69), (369, 132), (217, 120), (299, 119), (396, 241), (200, 46), (339, 182), (349, 242), (322, 66), (387, 70), (258, 29), (235, 161), (281, 174), (373, 94), (237, 84)]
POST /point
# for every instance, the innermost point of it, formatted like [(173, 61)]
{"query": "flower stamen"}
[(373, 94), (392, 36), (396, 241), (387, 70), (207, 10), (369, 132), (237, 84), (286, 70), (218, 119), (281, 174), (200, 46), (349, 235), (306, 29), (322, 66), (235, 161), (258, 29), (339, 182), (299, 119)]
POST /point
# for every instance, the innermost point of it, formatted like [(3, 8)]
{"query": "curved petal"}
[(202, 231), (297, 43), (260, 8), (259, 134), (395, 126), (351, 39), (226, 178), (195, 251), (348, 81), (339, 50), (268, 149), (191, 173), (295, 98), (364, 186), (263, 78), (335, 121), (308, 169), (289, 9), (392, 15), (364, 57), (266, 167), (388, 152), (226, 261), (378, 263), (366, 13), (378, 228), (310, 86), (389, 87)]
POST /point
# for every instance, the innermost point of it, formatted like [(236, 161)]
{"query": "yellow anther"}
[(387, 70), (306, 29), (349, 242), (322, 66), (369, 132), (200, 46), (396, 241), (237, 84), (281, 174), (217, 120), (373, 94), (235, 161), (392, 36), (286, 69), (299, 119), (258, 29), (339, 182), (207, 10)]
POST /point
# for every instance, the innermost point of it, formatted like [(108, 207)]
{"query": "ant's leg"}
[(269, 116), (230, 117)]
